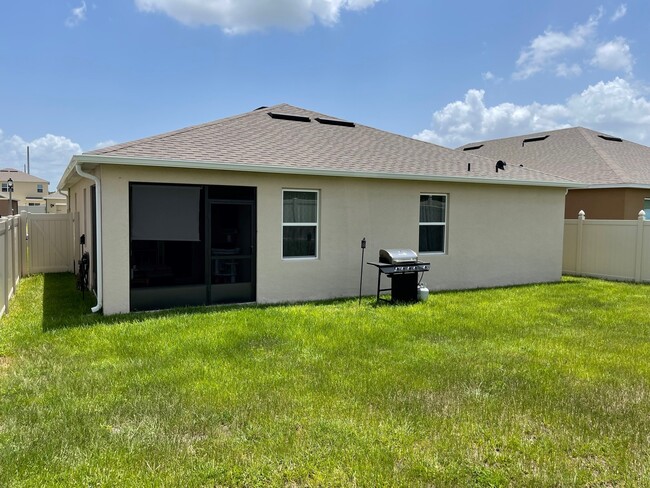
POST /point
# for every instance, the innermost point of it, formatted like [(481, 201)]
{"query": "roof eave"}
[(172, 163), (605, 186)]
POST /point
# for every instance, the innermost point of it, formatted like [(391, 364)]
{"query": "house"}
[(56, 202), (616, 171), (4, 205), (271, 205), (28, 190)]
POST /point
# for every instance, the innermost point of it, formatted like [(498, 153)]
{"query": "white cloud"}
[(103, 144), (565, 71), (615, 107), (614, 56), (487, 76), (620, 13), (49, 155), (77, 15), (548, 47), (241, 16)]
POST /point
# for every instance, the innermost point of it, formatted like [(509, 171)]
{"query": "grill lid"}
[(397, 256)]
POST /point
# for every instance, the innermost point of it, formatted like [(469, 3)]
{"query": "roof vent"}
[(297, 118), (533, 139), (610, 138), (344, 123), (501, 165), (472, 148), (260, 108)]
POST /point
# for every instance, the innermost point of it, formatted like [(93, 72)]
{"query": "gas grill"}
[(401, 266)]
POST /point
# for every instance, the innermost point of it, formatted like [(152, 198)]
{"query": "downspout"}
[(98, 235)]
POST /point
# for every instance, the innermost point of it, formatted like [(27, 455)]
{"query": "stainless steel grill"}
[(401, 266)]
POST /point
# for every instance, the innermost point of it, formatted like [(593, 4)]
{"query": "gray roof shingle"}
[(257, 139), (576, 153)]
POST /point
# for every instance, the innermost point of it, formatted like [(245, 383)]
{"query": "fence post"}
[(581, 221), (5, 292), (638, 260), (24, 235)]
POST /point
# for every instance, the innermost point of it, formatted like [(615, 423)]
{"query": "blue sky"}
[(79, 74)]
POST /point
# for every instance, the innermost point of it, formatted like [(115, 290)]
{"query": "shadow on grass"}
[(65, 307)]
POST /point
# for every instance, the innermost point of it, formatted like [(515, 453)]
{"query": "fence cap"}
[(642, 214), (581, 214)]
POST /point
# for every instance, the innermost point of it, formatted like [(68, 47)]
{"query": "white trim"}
[(261, 168), (606, 186), (301, 224), (437, 224), (97, 235)]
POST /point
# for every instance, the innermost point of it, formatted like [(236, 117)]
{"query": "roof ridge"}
[(518, 136), (615, 167), (165, 135)]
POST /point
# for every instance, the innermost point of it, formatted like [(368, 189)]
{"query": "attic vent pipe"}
[(501, 165)]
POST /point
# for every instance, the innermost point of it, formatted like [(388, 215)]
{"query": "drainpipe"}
[(98, 236)]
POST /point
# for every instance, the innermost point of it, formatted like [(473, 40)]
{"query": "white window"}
[(646, 208), (299, 223), (32, 204), (433, 223), (39, 188), (5, 186)]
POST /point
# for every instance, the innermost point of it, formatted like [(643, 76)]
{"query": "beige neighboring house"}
[(56, 202), (271, 206), (29, 190), (616, 171)]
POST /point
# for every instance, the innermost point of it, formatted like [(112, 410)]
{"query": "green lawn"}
[(543, 385)]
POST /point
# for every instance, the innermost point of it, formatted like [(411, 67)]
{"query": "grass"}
[(545, 385)]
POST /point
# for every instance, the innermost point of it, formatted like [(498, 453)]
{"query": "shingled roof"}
[(288, 139), (19, 176), (576, 153)]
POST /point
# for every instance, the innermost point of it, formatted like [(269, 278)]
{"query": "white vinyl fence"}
[(33, 243), (610, 249), (49, 244), (10, 259)]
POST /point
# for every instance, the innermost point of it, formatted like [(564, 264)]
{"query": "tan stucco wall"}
[(77, 204), (24, 189), (606, 203), (497, 235)]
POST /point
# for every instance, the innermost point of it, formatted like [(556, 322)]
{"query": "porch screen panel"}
[(165, 213)]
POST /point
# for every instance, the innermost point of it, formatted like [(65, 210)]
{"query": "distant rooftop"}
[(19, 176), (576, 153)]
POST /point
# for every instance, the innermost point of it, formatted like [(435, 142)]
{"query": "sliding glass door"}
[(191, 245), (232, 252)]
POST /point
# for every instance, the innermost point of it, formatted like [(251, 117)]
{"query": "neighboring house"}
[(616, 171), (29, 190), (56, 202), (4, 206), (271, 206)]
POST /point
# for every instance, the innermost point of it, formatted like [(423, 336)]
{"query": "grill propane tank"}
[(423, 292)]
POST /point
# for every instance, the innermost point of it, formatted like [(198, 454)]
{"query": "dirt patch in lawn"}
[(5, 362)]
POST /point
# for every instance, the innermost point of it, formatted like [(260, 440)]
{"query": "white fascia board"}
[(605, 186), (252, 168)]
